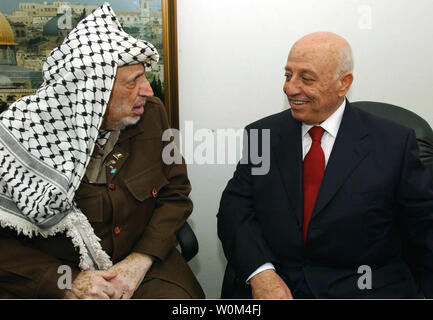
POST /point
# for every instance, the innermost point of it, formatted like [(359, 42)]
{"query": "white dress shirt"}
[(331, 126)]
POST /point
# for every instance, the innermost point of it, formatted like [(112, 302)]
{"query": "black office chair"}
[(187, 241), (424, 137), (423, 131)]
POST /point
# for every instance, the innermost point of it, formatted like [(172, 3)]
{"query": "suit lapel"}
[(350, 147), (287, 150)]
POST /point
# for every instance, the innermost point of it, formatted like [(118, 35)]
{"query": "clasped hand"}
[(118, 282)]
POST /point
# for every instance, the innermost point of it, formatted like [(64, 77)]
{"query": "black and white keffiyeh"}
[(46, 139)]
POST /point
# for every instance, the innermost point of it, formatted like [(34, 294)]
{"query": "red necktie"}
[(314, 168)]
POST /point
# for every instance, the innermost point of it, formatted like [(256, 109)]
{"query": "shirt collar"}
[(331, 125)]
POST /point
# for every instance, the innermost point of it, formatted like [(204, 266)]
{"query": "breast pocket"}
[(364, 198), (371, 198), (148, 183), (91, 204)]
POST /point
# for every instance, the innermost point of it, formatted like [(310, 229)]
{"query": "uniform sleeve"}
[(415, 197), (26, 272), (172, 209)]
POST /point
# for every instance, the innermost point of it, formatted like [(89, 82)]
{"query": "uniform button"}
[(154, 192), (112, 186), (117, 230)]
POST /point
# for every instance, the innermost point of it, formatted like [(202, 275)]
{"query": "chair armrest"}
[(187, 241)]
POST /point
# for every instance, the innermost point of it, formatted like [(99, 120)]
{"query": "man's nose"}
[(292, 87), (145, 89)]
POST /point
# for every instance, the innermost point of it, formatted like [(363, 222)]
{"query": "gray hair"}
[(345, 61)]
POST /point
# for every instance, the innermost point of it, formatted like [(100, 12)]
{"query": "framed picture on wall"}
[(30, 29)]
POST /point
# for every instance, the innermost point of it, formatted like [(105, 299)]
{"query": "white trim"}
[(77, 227)]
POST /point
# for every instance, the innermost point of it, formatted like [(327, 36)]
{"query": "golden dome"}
[(6, 33)]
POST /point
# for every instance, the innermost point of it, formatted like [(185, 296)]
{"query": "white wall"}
[(231, 65)]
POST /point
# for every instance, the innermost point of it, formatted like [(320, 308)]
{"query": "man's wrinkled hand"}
[(268, 285), (92, 284), (130, 273)]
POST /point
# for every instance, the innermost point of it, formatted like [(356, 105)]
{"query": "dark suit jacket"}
[(375, 197), (145, 198)]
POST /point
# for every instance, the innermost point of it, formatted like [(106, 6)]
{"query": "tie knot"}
[(316, 133)]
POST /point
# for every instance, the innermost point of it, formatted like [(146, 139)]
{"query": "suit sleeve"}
[(415, 196), (26, 272), (172, 209), (238, 229)]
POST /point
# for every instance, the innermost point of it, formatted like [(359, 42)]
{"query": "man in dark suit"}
[(344, 193)]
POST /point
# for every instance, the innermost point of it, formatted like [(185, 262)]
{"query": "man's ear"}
[(345, 80)]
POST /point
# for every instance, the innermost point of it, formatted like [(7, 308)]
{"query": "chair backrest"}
[(423, 131)]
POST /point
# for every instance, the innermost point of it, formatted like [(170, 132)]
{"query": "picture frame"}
[(29, 44), (171, 93)]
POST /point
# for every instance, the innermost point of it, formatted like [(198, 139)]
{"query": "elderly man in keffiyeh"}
[(82, 182)]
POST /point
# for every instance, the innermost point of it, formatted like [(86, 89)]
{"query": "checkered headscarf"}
[(46, 139)]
